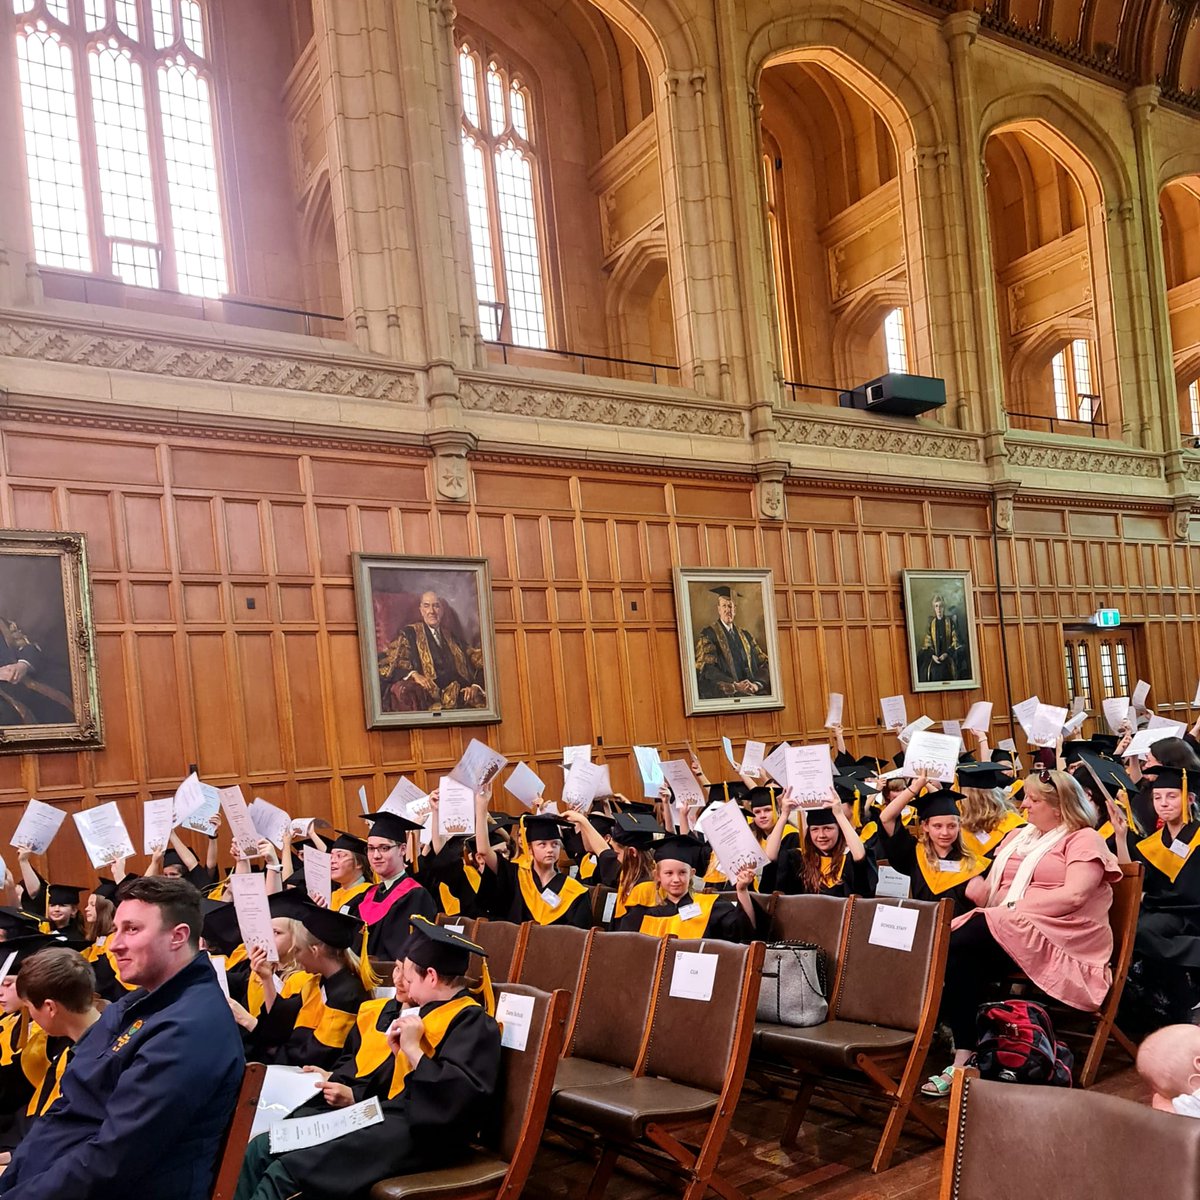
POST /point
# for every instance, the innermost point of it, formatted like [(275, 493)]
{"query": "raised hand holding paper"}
[(401, 796), (727, 746), (579, 787), (158, 819), (104, 835), (752, 757), (833, 715), (650, 767), (1047, 724), (479, 765), (1140, 692), (979, 717), (270, 821), (37, 827), (731, 839), (683, 783), (1024, 712), (196, 806), (810, 774), (1116, 709), (317, 880), (917, 726), (524, 785), (894, 712), (456, 808), (241, 827), (775, 764), (249, 892), (932, 754)]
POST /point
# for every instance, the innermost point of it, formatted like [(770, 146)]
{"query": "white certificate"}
[(455, 809), (302, 827), (932, 754), (324, 1127), (1073, 726), (419, 811), (810, 775), (104, 835), (894, 927), (241, 827), (1046, 725), (37, 826), (979, 717), (752, 757), (478, 766), (189, 796), (731, 840), (953, 729), (1140, 692), (317, 880), (401, 796), (727, 746), (894, 712), (603, 782), (1166, 727), (249, 892), (1024, 712), (220, 971), (158, 819), (207, 804), (650, 767), (571, 753), (917, 726), (515, 1015), (1078, 705), (683, 783), (524, 784), (284, 1090), (579, 786), (1116, 709), (775, 764), (833, 715), (1140, 743), (693, 975), (270, 821)]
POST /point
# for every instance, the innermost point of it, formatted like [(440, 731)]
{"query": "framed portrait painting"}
[(425, 633), (939, 614), (49, 698), (728, 639)]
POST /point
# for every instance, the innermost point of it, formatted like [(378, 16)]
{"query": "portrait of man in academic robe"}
[(940, 625), (426, 632)]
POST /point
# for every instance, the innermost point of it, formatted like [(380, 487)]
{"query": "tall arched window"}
[(895, 341), (116, 101), (500, 163), (1074, 394), (1193, 395)]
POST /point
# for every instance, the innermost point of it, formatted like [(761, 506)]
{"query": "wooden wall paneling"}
[(213, 695)]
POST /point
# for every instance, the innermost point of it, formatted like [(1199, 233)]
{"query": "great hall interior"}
[(578, 287)]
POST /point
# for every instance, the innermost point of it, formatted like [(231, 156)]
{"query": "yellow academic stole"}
[(35, 1062), (10, 1038), (831, 872), (940, 881), (93, 954), (436, 1024), (1162, 857), (971, 840), (450, 904), (641, 895), (539, 910), (37, 1106), (345, 895), (330, 1026), (373, 1049), (293, 985), (868, 831), (714, 874), (694, 927), (587, 866)]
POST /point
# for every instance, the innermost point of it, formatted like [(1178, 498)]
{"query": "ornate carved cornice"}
[(632, 412), (875, 439), (1091, 461), (195, 358)]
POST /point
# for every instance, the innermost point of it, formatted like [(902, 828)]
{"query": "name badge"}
[(689, 912), (1180, 849), (949, 864), (983, 838), (551, 898)]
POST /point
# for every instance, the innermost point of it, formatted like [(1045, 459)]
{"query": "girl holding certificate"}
[(831, 860)]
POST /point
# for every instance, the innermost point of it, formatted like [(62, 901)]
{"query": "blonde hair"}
[(983, 809), (294, 930), (1064, 794), (307, 940), (959, 850)]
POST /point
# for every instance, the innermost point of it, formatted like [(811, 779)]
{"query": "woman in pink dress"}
[(1042, 910)]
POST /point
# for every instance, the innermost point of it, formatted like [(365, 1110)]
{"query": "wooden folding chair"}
[(504, 943), (1010, 1142), (498, 1169), (468, 923), (554, 957), (237, 1135), (690, 1075), (881, 1021)]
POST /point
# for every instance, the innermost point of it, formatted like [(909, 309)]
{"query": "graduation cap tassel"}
[(1183, 796), (485, 992), (857, 810), (365, 971), (774, 810)]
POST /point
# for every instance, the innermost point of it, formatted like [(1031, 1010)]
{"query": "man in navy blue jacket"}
[(151, 1086)]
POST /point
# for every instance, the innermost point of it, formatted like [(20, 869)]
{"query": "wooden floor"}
[(831, 1160)]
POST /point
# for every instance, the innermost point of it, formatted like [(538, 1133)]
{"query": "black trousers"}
[(976, 963)]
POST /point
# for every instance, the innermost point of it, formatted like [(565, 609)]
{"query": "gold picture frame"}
[(49, 693), (943, 651)]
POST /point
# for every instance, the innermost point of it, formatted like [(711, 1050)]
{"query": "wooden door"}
[(1099, 664)]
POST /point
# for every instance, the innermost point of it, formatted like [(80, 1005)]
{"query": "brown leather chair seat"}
[(623, 1110), (478, 1171), (584, 1072), (834, 1043)]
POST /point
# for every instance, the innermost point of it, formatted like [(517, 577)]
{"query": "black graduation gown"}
[(510, 904), (902, 850), (15, 1087), (386, 937), (444, 875), (279, 1039), (727, 920), (1169, 923), (446, 1101), (857, 878)]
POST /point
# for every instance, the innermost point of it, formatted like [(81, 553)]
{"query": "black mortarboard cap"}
[(337, 929), (16, 922), (761, 797), (819, 816), (871, 764), (291, 902), (390, 825), (171, 858), (543, 829), (685, 849), (1176, 777), (898, 760), (847, 785), (1003, 756), (502, 820), (942, 803), (736, 788), (26, 946), (439, 947), (1072, 750), (106, 889), (966, 757), (982, 775), (297, 880), (636, 829), (1111, 774), (1105, 743), (220, 927), (601, 824), (63, 893), (721, 591), (347, 841)]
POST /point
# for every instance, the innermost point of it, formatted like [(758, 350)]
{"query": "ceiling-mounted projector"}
[(897, 394)]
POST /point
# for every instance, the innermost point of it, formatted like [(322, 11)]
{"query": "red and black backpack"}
[(1016, 1044)]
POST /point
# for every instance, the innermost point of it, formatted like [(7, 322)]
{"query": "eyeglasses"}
[(382, 849)]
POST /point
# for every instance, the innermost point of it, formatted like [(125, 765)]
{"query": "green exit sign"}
[(1107, 618)]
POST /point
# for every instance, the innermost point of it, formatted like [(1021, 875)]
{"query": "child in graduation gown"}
[(628, 865), (687, 914), (310, 1028), (436, 1084), (935, 860), (830, 860), (1167, 944), (348, 871), (985, 810), (531, 887), (389, 905)]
